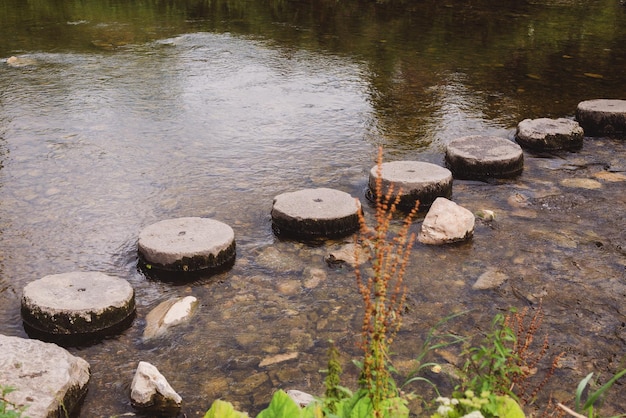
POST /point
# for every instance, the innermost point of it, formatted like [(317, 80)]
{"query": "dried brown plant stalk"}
[(527, 356), (382, 291)]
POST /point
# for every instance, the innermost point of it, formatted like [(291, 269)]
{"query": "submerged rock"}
[(168, 314), (151, 392), (349, 255), (490, 279), (446, 222), (278, 358), (47, 378)]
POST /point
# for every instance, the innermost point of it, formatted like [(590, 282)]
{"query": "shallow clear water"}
[(121, 121)]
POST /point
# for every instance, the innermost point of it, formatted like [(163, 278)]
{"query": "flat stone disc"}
[(550, 134), (414, 180), (480, 157), (77, 303), (187, 244), (315, 213), (602, 117)]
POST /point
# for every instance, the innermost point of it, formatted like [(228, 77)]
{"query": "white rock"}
[(301, 398), (151, 390), (168, 314), (446, 222)]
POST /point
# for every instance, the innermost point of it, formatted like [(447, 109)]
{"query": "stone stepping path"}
[(479, 157), (413, 180), (602, 117), (546, 134), (315, 213), (183, 245), (78, 304)]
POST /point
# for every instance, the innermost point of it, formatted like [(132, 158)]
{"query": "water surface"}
[(121, 114)]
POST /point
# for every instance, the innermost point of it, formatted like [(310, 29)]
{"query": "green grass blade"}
[(598, 393), (579, 390)]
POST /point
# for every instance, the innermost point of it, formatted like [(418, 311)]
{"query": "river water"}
[(121, 114)]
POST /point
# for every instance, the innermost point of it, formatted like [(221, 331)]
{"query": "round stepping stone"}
[(479, 157), (413, 180), (602, 117), (77, 303), (187, 245), (550, 134), (315, 213)]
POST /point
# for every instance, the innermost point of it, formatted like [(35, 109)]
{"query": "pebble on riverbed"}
[(77, 304), (413, 181)]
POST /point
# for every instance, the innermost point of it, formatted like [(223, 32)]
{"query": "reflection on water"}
[(129, 116)]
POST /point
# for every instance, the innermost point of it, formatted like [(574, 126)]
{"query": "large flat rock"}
[(602, 117), (46, 377), (413, 181), (315, 213), (187, 244), (480, 157), (77, 303)]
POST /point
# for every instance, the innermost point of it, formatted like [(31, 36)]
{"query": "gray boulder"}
[(46, 378)]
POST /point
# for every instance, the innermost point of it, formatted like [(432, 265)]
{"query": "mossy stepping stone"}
[(479, 157), (602, 117), (546, 134), (412, 180), (77, 303), (190, 244), (315, 213)]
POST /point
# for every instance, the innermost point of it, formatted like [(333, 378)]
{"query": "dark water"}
[(120, 114)]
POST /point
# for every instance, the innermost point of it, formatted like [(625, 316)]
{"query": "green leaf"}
[(579, 390), (507, 407), (595, 395), (223, 409), (362, 408), (281, 406)]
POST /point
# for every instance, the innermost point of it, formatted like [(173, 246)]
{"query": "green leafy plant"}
[(9, 409), (335, 393), (509, 357), (490, 366)]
